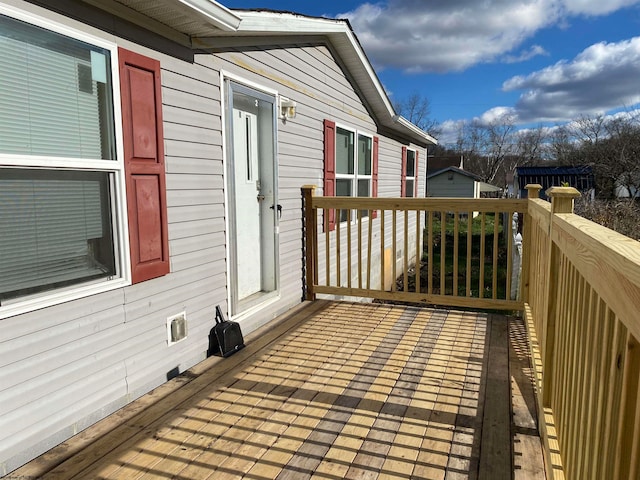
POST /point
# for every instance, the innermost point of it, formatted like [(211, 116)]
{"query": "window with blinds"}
[(56, 105)]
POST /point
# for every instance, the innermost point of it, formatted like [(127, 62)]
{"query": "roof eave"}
[(213, 13)]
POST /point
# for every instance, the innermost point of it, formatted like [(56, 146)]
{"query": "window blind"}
[(55, 229)]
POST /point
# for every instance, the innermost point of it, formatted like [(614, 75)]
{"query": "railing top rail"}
[(431, 203)]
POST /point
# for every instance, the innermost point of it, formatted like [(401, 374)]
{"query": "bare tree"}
[(487, 146), (561, 145), (530, 146), (417, 109), (589, 128)]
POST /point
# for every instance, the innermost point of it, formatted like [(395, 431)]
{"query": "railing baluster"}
[(430, 254), (394, 249), (443, 252), (509, 240), (349, 247), (494, 272), (382, 254), (338, 222), (454, 292), (482, 246), (418, 250), (369, 249), (469, 250), (359, 218), (406, 251), (327, 245)]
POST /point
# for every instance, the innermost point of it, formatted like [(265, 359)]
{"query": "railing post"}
[(561, 202), (533, 191), (309, 229)]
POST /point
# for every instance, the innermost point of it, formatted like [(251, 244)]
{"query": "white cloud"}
[(601, 78), (453, 35)]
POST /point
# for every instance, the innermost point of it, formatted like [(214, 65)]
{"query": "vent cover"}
[(177, 327)]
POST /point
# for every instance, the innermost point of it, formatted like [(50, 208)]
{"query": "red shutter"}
[(415, 172), (144, 165), (330, 166), (403, 175), (374, 174)]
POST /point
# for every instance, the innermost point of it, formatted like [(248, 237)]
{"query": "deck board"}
[(337, 390)]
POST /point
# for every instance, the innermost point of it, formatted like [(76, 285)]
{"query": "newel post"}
[(561, 202), (309, 233), (533, 191)]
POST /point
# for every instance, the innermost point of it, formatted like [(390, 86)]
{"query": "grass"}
[(477, 236)]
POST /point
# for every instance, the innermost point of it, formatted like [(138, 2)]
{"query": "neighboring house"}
[(457, 183), (151, 159), (580, 177), (626, 185)]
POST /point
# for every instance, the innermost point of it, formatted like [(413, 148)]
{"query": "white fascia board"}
[(413, 128), (214, 13), (287, 23)]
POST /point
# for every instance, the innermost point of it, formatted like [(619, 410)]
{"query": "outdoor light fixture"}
[(287, 108)]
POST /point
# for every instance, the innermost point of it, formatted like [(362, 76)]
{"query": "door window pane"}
[(56, 229), (55, 94)]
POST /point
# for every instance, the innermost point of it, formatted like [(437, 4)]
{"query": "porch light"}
[(287, 108)]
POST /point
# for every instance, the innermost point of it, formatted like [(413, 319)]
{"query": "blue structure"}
[(580, 177)]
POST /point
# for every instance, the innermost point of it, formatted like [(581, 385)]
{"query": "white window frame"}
[(114, 167), (355, 176), (407, 178)]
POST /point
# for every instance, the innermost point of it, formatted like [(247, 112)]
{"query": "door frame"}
[(231, 272)]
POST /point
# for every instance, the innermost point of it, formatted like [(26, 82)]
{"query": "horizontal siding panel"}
[(26, 428), (199, 84), (192, 259), (186, 133), (181, 149), (193, 244), (55, 336), (174, 298), (28, 323), (191, 213), (188, 181), (196, 103), (168, 282), (190, 117), (181, 198), (200, 166), (195, 228)]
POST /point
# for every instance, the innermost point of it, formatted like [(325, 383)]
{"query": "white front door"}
[(251, 181), (248, 200)]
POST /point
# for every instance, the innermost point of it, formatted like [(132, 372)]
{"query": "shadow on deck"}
[(335, 390)]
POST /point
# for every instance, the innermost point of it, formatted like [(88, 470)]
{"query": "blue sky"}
[(544, 62)]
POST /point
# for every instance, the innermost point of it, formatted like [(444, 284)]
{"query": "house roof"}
[(208, 25), (455, 170), (570, 170)]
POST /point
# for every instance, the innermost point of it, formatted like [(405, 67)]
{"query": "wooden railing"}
[(456, 252), (580, 293), (583, 310)]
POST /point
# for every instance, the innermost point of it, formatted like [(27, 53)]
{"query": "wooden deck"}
[(336, 390)]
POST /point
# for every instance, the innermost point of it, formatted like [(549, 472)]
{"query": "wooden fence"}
[(583, 310), (580, 295), (456, 252)]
